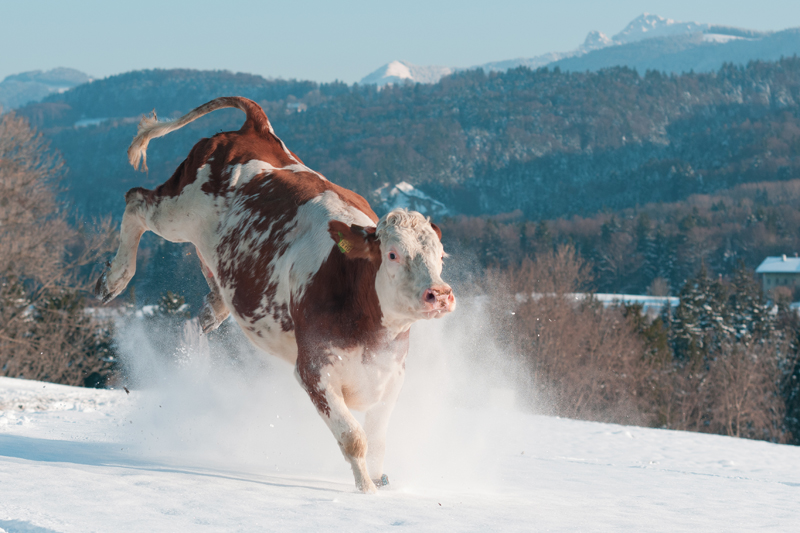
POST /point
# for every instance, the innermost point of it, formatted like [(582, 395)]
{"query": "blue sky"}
[(327, 40)]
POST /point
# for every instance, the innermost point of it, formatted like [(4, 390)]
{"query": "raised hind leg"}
[(120, 271), (214, 311)]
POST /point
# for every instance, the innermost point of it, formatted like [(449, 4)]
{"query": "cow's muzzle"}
[(437, 301)]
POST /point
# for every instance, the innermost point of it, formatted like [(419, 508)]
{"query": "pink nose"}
[(439, 297)]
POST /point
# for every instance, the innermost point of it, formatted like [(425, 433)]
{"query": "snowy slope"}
[(214, 446)]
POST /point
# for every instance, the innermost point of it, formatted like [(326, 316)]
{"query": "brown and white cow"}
[(304, 266)]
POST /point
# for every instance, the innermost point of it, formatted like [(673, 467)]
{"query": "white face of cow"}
[(409, 282)]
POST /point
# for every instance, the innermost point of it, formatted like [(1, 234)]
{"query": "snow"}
[(779, 264), (405, 195), (85, 122), (403, 71), (209, 445), (647, 26), (719, 38)]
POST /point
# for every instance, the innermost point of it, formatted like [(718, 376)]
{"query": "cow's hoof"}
[(367, 487), (101, 290), (208, 319), (211, 318), (382, 482)]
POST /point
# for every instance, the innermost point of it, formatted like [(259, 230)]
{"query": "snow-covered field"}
[(208, 447)]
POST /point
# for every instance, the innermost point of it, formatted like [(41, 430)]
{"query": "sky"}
[(325, 40)]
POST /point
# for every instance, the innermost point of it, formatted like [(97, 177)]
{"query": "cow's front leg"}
[(376, 423), (333, 410)]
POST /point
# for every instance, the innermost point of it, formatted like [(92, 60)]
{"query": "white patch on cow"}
[(243, 173), (288, 152), (191, 216)]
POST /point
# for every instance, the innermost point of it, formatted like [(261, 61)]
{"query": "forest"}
[(548, 143)]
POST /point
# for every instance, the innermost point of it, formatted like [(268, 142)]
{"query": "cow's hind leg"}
[(120, 271), (214, 311)]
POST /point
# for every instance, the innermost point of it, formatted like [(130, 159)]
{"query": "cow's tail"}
[(151, 128)]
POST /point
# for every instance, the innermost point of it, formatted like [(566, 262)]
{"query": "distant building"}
[(296, 107), (779, 271)]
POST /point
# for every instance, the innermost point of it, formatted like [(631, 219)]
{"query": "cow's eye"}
[(393, 256)]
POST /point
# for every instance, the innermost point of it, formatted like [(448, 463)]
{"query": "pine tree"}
[(748, 311), (700, 321)]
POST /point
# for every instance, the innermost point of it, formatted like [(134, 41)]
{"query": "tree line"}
[(723, 362)]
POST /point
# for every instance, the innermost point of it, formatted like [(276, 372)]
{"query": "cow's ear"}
[(437, 230), (356, 242)]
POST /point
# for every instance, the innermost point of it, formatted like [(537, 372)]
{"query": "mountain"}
[(647, 26), (649, 42), (19, 89), (686, 52), (652, 42), (402, 72)]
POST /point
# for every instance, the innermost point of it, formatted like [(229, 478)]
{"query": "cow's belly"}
[(267, 335)]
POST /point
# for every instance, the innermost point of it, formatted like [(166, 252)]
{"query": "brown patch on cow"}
[(340, 302), (309, 373), (354, 444), (340, 309)]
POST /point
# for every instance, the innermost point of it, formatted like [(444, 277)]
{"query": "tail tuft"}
[(137, 151), (151, 128)]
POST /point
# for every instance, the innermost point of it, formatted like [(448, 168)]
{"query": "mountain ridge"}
[(19, 89), (647, 37)]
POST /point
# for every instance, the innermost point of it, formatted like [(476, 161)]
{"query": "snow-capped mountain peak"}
[(692, 38), (596, 40), (647, 26), (398, 69), (403, 71)]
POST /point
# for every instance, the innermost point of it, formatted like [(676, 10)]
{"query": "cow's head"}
[(409, 250)]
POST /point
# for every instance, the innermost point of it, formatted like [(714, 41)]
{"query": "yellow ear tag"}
[(344, 245)]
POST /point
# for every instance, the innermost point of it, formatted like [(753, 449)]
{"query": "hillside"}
[(548, 143)]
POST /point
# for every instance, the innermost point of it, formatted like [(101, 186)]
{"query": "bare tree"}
[(45, 332), (584, 361)]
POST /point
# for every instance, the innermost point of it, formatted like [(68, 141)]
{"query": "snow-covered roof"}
[(405, 195), (779, 265)]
